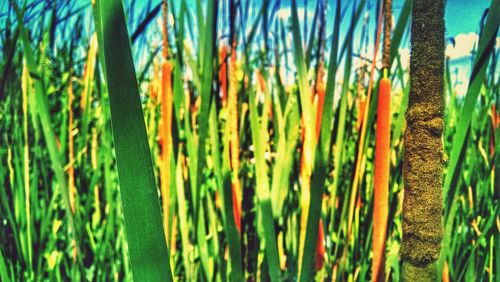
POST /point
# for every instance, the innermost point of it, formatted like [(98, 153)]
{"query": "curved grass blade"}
[(148, 252)]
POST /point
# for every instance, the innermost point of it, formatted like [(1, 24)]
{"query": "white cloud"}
[(404, 54), (286, 13), (464, 43)]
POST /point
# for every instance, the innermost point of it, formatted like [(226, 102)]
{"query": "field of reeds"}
[(232, 140)]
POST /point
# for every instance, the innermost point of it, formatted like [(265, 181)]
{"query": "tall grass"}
[(265, 169)]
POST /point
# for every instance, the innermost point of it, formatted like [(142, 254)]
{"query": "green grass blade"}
[(231, 231), (207, 49), (339, 142), (3, 269), (148, 252), (215, 145), (263, 193), (497, 161), (352, 27), (227, 208), (400, 120), (183, 221), (206, 94), (289, 132), (312, 34), (486, 232), (43, 113), (305, 93), (145, 22), (485, 49), (202, 242), (400, 29), (201, 29), (321, 158)]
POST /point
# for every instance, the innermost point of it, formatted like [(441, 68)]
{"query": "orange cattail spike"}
[(173, 246), (223, 73), (233, 112), (166, 139), (71, 171), (320, 247), (165, 126), (263, 89), (381, 177), (495, 117), (319, 111), (236, 206), (233, 133), (261, 81), (361, 112), (320, 92), (88, 73), (446, 272), (153, 85)]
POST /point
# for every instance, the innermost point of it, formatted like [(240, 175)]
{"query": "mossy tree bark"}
[(423, 160)]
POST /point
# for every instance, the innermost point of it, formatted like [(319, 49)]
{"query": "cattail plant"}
[(234, 137), (381, 178), (361, 142), (382, 155), (223, 73), (239, 144), (165, 128), (423, 158)]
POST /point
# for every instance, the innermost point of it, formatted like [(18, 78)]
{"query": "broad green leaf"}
[(147, 248)]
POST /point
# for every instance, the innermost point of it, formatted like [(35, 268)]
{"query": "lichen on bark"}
[(423, 159)]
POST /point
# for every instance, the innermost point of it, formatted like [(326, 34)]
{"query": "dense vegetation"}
[(237, 142)]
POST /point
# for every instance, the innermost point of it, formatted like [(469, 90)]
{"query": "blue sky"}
[(462, 19), (462, 16)]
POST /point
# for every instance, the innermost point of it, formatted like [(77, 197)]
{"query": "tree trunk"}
[(423, 160)]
